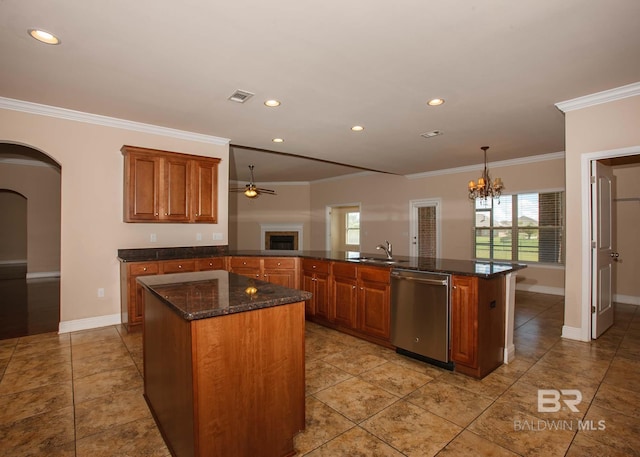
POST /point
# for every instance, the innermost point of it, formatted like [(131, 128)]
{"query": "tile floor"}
[(80, 394)]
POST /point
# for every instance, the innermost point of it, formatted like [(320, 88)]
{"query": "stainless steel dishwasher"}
[(420, 315)]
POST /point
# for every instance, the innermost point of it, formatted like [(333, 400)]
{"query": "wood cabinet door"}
[(205, 191), (175, 191), (374, 308), (136, 291), (322, 294), (309, 285), (344, 301), (142, 180), (464, 320)]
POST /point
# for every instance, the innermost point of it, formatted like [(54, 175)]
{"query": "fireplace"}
[(281, 237), (281, 241)]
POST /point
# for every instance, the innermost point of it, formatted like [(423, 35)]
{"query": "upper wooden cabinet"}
[(161, 186)]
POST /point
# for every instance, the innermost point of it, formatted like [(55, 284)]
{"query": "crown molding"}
[(499, 164), (96, 119), (630, 90)]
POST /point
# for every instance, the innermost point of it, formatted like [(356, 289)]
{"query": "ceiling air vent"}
[(432, 133), (240, 96)]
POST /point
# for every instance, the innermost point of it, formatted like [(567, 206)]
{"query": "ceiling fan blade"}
[(265, 191)]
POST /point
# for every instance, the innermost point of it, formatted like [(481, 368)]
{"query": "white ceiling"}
[(501, 65)]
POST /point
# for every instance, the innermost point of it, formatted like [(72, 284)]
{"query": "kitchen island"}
[(224, 363)]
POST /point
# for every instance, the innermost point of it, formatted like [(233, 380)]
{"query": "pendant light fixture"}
[(485, 188)]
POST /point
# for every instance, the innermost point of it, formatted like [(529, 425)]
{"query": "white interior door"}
[(603, 253)]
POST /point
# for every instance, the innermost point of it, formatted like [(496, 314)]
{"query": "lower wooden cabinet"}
[(360, 299), (477, 324), (315, 279), (283, 271), (131, 309)]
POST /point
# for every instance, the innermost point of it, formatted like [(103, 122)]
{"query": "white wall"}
[(92, 231)]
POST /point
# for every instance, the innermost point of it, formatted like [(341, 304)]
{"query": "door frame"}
[(413, 222), (327, 221), (587, 267)]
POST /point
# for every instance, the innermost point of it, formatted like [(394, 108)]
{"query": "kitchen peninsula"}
[(224, 363), (351, 292)]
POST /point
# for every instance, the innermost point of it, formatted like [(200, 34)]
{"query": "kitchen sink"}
[(380, 260)]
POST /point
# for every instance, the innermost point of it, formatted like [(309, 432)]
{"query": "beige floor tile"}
[(618, 399), (395, 379), (39, 361), (107, 383), (7, 347), (451, 402), (354, 361), (98, 348), (584, 445), (618, 375), (356, 399), (492, 385), (47, 434), (41, 343), (355, 442), (412, 430), (468, 444), (95, 335), (521, 432), (320, 375), (18, 381), (547, 377), (613, 429), (576, 365), (27, 403), (320, 347), (515, 368), (417, 365), (102, 413), (119, 357), (137, 438), (322, 425)]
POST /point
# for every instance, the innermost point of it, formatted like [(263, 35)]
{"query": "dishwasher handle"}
[(433, 282)]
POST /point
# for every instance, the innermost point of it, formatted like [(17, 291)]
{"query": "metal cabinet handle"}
[(353, 287), (179, 266), (144, 269)]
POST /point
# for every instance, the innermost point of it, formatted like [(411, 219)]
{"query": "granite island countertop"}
[(483, 269), (205, 294)]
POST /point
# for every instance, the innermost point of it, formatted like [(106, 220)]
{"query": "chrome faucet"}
[(387, 250)]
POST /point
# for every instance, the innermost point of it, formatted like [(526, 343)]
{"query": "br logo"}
[(550, 400)]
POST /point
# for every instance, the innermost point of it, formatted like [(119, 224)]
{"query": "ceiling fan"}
[(251, 190)]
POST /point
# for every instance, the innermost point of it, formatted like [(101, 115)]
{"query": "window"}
[(535, 234), (352, 228)]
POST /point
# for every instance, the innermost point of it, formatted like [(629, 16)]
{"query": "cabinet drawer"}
[(279, 264), (347, 270), (319, 266), (215, 263), (376, 274), (146, 268), (244, 262), (178, 266)]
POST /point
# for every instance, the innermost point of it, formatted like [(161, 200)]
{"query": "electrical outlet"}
[(217, 236), (198, 236), (153, 238), (101, 292)]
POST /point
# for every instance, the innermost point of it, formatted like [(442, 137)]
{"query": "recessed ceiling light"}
[(278, 140), (272, 103), (435, 102), (44, 37), (357, 128)]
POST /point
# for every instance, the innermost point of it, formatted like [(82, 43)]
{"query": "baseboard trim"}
[(626, 299), (541, 289), (14, 262), (43, 274), (574, 333), (89, 323), (509, 354)]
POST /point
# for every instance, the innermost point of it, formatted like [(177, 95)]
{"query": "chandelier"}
[(485, 188)]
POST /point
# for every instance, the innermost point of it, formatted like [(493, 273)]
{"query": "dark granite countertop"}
[(205, 294), (483, 269)]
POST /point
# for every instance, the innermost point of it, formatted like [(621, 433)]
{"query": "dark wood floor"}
[(27, 307)]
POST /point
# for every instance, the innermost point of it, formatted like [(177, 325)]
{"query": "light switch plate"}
[(153, 238)]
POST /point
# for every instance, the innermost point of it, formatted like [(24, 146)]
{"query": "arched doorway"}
[(30, 242)]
